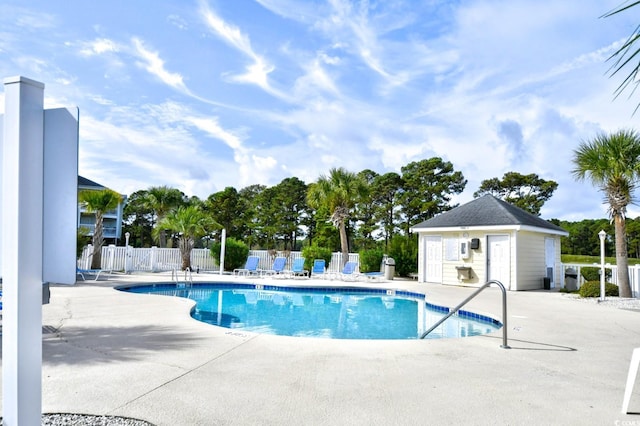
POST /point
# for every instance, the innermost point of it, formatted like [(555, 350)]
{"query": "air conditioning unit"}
[(464, 249)]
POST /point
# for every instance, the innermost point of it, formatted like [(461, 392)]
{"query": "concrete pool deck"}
[(112, 353)]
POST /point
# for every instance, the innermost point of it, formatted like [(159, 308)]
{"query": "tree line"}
[(355, 212), (341, 211)]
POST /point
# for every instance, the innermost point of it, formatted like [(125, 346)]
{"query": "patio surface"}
[(112, 353)]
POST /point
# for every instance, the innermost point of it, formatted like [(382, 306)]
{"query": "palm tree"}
[(162, 199), (628, 55), (99, 202), (612, 163), (190, 223), (339, 192)]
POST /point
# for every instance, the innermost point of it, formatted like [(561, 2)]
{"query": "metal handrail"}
[(465, 301), (175, 277)]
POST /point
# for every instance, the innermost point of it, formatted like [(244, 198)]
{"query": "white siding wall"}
[(531, 266), (527, 258), (476, 259)]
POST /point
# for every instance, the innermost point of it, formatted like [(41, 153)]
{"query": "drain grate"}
[(48, 329)]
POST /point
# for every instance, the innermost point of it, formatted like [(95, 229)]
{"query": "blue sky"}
[(200, 95)]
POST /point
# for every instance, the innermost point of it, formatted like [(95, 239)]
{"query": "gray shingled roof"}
[(83, 181), (486, 211)]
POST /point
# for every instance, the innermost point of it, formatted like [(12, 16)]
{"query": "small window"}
[(452, 250)]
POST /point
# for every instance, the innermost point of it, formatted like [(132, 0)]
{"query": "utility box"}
[(464, 272), (570, 279), (389, 268)]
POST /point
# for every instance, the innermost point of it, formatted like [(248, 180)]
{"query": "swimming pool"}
[(321, 312)]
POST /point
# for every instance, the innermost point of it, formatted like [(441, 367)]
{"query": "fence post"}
[(153, 259), (89, 256)]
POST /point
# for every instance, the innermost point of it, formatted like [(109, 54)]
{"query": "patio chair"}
[(319, 269), (250, 267), (297, 269), (276, 269), (83, 272), (349, 272), (374, 276)]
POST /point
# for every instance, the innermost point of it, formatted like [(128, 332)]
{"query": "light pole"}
[(128, 253), (602, 236)]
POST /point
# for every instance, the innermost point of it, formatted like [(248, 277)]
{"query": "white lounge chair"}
[(83, 272)]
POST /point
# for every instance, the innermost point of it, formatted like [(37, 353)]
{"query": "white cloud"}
[(152, 62), (258, 71), (212, 127), (254, 92), (98, 46)]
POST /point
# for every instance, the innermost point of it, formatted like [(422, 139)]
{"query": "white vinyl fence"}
[(154, 259), (612, 275)]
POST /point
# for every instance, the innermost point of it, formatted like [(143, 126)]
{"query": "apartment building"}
[(112, 222)]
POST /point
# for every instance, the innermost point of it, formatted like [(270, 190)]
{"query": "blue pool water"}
[(335, 313)]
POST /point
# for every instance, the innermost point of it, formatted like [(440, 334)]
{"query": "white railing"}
[(154, 259), (634, 275)]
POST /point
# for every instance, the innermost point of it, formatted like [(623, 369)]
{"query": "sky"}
[(201, 95)]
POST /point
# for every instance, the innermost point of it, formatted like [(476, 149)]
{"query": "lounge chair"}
[(83, 272), (349, 272), (250, 267), (297, 269), (276, 269), (319, 269), (374, 276)]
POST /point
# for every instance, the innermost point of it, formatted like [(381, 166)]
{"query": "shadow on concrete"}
[(99, 345), (527, 345)]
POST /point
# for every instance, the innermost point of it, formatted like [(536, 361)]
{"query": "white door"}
[(550, 259), (433, 259), (499, 259)]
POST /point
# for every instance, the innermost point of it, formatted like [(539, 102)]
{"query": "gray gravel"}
[(614, 302), (89, 420)]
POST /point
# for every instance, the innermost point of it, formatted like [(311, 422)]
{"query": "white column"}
[(223, 242), (22, 200)]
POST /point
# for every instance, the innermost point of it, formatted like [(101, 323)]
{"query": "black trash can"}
[(546, 283)]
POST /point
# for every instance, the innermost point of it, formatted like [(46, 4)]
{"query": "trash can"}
[(570, 279), (389, 268), (546, 283)]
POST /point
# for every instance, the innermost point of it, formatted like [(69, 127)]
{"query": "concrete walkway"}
[(114, 353)]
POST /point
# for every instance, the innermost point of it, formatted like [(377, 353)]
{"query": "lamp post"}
[(602, 236), (128, 254)]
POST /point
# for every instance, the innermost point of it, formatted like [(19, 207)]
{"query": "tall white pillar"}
[(22, 210)]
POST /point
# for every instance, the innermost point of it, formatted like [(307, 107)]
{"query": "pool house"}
[(489, 239)]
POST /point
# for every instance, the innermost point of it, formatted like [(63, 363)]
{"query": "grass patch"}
[(574, 258)]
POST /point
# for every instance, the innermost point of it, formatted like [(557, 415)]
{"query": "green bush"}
[(404, 250), (310, 253), (370, 260), (235, 253), (592, 273), (592, 289)]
